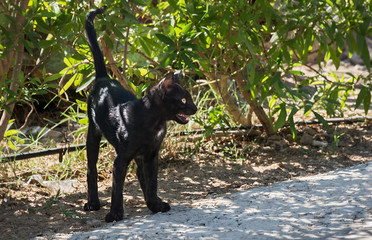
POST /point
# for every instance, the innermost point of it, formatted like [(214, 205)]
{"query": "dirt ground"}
[(223, 165), (239, 160)]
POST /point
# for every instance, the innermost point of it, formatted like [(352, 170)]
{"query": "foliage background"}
[(239, 52)]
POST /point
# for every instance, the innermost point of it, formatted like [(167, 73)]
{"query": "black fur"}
[(135, 127)]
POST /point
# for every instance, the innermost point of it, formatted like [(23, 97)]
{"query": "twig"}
[(325, 78), (63, 78), (28, 115), (37, 65), (125, 54), (150, 59)]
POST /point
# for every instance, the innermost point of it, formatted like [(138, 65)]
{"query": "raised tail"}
[(99, 62)]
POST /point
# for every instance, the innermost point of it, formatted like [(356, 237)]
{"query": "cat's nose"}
[(194, 109)]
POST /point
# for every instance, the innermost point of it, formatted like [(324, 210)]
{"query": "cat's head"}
[(177, 100)]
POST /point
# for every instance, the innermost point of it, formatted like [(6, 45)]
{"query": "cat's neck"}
[(153, 103)]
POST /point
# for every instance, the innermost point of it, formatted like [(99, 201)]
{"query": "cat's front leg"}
[(150, 185)]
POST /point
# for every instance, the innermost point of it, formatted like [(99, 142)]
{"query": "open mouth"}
[(182, 118)]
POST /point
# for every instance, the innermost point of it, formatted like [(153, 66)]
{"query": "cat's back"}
[(110, 93)]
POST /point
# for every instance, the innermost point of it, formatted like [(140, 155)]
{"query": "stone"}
[(306, 139)]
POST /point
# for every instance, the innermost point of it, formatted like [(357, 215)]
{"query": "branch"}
[(3, 6), (37, 65), (257, 109), (1, 72), (150, 59), (325, 78), (114, 68), (221, 88)]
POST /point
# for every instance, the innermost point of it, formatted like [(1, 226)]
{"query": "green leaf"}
[(11, 132), (85, 83), (67, 62), (367, 102), (322, 120), (187, 60), (186, 28), (272, 101), (108, 41), (41, 92), (53, 77), (334, 56), (46, 14), (362, 94), (173, 3), (351, 43), (11, 145), (52, 85), (78, 79), (144, 46), (291, 122), (295, 72), (138, 2), (117, 32), (308, 106), (281, 118), (84, 121), (292, 126), (165, 39), (363, 49), (74, 78), (168, 60), (28, 45)]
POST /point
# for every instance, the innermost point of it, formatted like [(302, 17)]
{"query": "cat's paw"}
[(92, 206), (158, 206), (116, 216)]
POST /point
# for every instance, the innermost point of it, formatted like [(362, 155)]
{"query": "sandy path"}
[(336, 205)]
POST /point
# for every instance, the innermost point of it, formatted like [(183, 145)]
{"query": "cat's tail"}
[(99, 62)]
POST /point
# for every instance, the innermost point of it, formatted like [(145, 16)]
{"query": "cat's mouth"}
[(182, 118)]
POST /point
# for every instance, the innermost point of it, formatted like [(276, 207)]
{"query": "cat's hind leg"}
[(119, 171), (92, 145)]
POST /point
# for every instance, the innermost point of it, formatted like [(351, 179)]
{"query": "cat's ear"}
[(171, 79), (178, 76), (168, 81)]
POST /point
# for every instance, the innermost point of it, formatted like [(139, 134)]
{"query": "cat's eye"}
[(183, 100)]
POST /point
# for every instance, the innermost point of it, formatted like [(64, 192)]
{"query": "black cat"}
[(135, 127)]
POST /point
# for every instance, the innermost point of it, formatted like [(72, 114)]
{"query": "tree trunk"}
[(221, 88), (258, 110), (17, 67)]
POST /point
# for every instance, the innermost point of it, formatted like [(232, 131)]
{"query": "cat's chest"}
[(149, 141), (140, 126), (149, 132), (154, 133)]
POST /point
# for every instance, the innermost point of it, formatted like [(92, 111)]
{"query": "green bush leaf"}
[(11, 132), (165, 39), (186, 28), (363, 49), (367, 102), (322, 120), (361, 96), (53, 77), (281, 118), (187, 60)]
